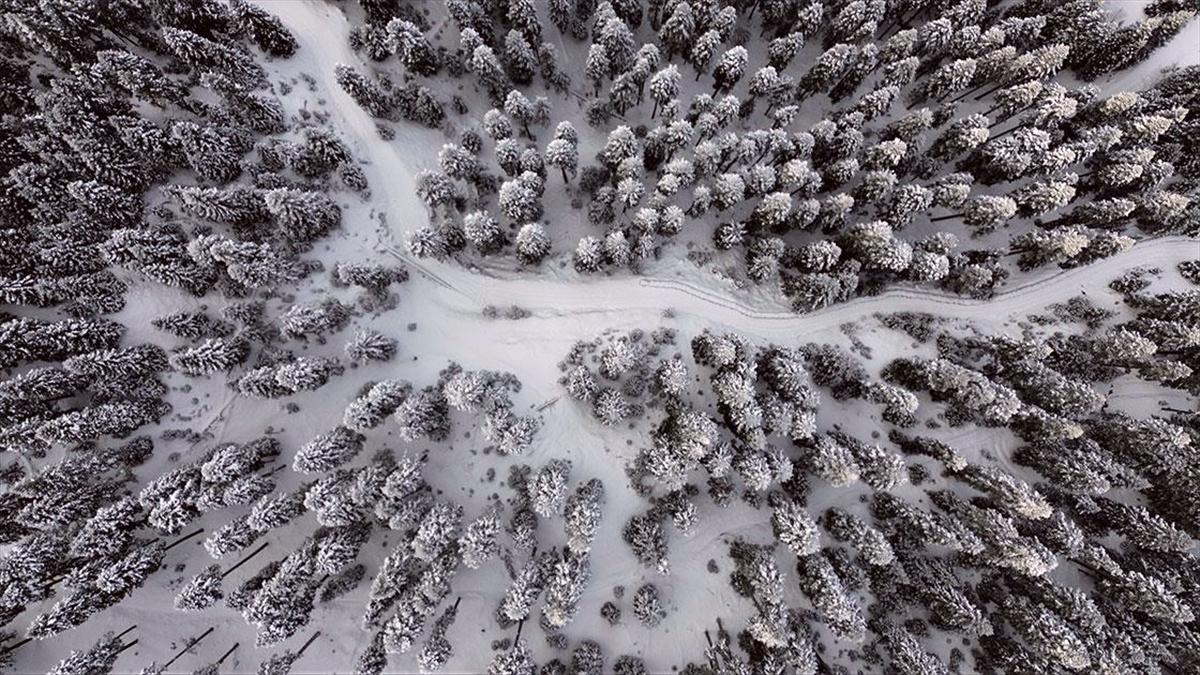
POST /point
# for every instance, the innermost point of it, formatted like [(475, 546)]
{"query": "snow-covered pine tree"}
[(328, 451)]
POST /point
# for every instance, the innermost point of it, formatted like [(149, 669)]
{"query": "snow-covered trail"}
[(551, 299)]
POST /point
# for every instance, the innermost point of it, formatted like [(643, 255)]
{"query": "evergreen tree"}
[(263, 28), (411, 47), (830, 597), (1046, 633), (368, 345), (206, 55), (795, 528), (729, 69), (525, 589), (549, 488), (907, 653), (478, 543), (370, 409), (369, 95), (99, 659), (703, 49), (438, 650), (646, 538), (301, 216), (272, 511), (210, 356), (437, 530), (328, 451), (516, 661), (565, 585), (582, 514), (139, 76), (871, 544), (647, 607), (587, 659), (373, 660)]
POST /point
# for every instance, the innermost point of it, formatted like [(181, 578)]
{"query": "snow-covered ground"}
[(440, 319)]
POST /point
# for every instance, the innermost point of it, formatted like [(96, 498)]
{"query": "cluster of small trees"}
[(561, 574), (392, 30), (488, 393), (86, 388), (623, 373), (94, 122), (846, 378), (459, 223), (347, 502), (69, 524), (92, 155), (1070, 492)]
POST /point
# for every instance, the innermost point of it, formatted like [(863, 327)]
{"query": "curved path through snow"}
[(625, 294)]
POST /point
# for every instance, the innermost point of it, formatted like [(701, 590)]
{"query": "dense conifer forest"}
[(577, 337)]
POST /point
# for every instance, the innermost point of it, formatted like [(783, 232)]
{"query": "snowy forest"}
[(589, 337)]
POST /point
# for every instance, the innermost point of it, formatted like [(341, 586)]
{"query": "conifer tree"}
[(729, 69), (829, 595), (582, 514), (549, 488), (328, 451), (369, 345), (795, 528), (565, 585), (411, 47), (263, 28), (203, 54), (647, 606), (366, 93), (99, 659)]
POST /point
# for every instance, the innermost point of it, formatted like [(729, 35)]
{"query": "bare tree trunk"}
[(183, 539), (949, 217), (308, 642), (243, 561), (228, 653)]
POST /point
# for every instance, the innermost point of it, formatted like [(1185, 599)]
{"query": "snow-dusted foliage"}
[(881, 315)]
